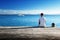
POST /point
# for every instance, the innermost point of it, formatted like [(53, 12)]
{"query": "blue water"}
[(27, 20)]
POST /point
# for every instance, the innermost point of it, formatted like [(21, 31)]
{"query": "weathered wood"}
[(30, 33)]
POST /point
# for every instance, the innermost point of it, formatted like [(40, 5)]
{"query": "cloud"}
[(29, 11), (7, 11)]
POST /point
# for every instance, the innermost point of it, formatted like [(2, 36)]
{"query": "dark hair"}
[(53, 24), (41, 14)]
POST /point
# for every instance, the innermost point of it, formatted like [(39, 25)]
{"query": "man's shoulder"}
[(42, 17)]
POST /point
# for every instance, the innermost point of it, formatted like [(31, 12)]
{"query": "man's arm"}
[(39, 22)]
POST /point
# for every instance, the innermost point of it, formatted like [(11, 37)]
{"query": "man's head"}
[(41, 14)]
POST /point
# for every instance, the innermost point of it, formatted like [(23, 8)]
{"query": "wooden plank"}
[(31, 33)]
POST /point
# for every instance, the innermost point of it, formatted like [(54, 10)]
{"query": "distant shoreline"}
[(27, 14), (7, 14)]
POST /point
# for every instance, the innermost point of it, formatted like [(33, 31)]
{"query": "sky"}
[(29, 6)]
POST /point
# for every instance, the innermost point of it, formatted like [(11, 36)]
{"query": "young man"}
[(42, 21)]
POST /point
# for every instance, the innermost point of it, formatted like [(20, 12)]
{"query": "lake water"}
[(27, 20)]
